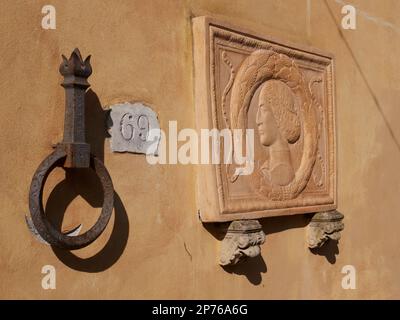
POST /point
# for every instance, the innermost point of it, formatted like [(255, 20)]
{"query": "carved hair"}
[(279, 98)]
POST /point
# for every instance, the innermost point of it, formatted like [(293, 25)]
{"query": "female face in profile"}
[(278, 126), (268, 131)]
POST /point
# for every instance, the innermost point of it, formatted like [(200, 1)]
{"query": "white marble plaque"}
[(134, 128)]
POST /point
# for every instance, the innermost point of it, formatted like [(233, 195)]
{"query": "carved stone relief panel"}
[(285, 93)]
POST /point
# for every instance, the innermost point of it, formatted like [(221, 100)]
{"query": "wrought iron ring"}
[(44, 227)]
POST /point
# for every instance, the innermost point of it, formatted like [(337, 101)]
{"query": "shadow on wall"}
[(84, 182), (253, 268), (277, 224), (329, 250)]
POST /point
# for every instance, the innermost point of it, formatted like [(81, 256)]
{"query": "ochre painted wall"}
[(142, 51)]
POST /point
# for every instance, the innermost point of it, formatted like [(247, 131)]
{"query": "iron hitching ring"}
[(72, 152)]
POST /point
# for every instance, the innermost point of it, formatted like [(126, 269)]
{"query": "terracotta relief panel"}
[(285, 93)]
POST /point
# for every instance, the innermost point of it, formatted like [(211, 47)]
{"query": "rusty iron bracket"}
[(72, 152)]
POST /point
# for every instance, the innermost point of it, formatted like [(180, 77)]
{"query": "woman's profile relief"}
[(278, 126)]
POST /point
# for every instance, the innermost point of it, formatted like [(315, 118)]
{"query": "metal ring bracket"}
[(44, 227), (72, 152)]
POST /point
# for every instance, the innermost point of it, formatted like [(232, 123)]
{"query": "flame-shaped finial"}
[(75, 66)]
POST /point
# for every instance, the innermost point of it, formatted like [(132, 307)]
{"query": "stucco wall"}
[(142, 51)]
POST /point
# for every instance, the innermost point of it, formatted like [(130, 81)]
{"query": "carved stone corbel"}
[(324, 226), (242, 241)]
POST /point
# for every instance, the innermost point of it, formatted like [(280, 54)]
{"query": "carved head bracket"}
[(242, 241), (323, 227), (72, 152)]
